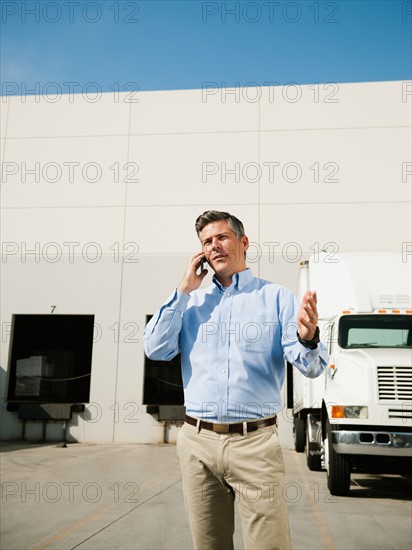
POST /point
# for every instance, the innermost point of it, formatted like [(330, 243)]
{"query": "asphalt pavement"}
[(122, 497)]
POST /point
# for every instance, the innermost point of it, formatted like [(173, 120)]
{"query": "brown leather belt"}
[(231, 427)]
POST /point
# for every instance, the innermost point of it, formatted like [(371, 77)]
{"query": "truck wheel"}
[(337, 467), (299, 435), (313, 461)]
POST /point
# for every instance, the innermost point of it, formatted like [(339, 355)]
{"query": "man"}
[(234, 337)]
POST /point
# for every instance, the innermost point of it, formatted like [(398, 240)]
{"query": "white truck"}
[(358, 415)]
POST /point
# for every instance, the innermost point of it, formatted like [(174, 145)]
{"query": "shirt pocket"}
[(257, 333)]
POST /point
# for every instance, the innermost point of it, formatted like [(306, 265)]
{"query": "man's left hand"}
[(308, 316)]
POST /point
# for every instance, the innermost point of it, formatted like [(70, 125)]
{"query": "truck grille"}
[(395, 383)]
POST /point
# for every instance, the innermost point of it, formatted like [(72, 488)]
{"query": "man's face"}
[(224, 252)]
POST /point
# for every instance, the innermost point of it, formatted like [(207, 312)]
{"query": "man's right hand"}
[(191, 280)]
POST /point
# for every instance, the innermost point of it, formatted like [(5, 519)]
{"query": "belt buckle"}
[(221, 428)]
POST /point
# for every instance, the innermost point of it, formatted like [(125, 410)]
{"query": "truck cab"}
[(358, 415)]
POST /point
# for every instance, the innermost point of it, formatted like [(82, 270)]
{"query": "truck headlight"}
[(349, 411), (356, 412)]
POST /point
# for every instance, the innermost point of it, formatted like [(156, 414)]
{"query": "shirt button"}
[(223, 370)]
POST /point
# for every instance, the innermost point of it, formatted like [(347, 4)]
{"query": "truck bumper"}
[(396, 444)]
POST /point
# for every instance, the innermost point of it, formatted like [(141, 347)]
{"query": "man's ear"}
[(245, 241)]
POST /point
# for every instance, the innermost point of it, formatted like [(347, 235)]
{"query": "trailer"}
[(357, 416)]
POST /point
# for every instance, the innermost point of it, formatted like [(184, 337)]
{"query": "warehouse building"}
[(99, 196)]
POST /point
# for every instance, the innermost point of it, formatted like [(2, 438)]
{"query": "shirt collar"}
[(239, 280)]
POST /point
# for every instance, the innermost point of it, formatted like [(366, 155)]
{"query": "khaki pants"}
[(221, 469)]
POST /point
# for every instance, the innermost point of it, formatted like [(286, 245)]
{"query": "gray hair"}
[(211, 216)]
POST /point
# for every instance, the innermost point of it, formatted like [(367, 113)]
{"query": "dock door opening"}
[(50, 358)]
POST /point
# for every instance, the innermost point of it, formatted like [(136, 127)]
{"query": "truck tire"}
[(313, 461), (299, 426), (337, 467)]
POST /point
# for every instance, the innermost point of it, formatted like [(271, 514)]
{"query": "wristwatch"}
[(311, 344)]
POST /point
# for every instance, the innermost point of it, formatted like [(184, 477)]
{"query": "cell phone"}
[(202, 264)]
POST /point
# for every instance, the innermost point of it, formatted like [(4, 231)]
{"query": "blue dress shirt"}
[(233, 343)]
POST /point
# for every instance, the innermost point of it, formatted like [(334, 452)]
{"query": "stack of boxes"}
[(33, 376)]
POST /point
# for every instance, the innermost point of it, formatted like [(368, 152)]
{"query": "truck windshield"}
[(375, 331)]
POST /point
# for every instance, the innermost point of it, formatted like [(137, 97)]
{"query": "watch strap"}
[(311, 344)]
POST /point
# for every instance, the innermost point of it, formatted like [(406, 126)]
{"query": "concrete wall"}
[(100, 194)]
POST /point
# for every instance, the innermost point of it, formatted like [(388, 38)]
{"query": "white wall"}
[(178, 144)]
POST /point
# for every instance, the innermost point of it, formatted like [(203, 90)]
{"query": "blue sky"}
[(174, 44)]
